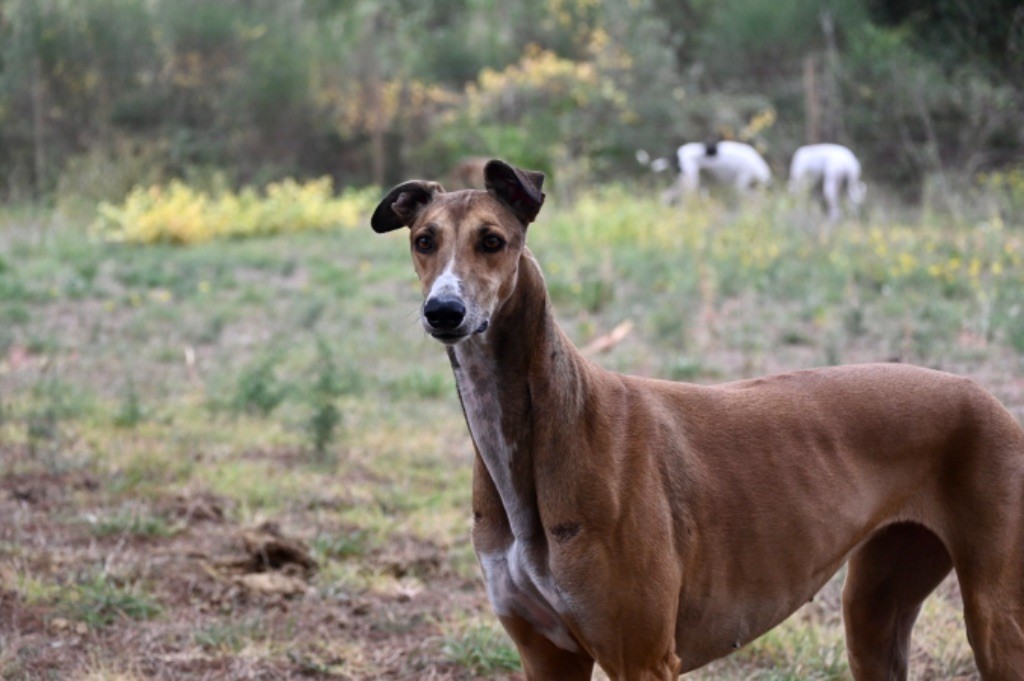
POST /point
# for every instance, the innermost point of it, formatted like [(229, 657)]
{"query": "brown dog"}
[(653, 526)]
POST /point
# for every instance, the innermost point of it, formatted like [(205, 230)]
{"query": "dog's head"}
[(465, 244)]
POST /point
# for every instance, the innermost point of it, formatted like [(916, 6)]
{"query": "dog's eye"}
[(492, 243), (424, 244)]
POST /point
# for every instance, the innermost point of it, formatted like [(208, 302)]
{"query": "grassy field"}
[(243, 459)]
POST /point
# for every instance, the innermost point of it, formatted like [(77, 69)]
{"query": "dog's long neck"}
[(520, 382)]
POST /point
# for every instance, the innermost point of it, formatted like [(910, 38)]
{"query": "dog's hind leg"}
[(992, 583), (887, 580), (995, 629), (986, 539)]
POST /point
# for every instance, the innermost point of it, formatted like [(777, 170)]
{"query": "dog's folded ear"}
[(402, 204), (516, 188)]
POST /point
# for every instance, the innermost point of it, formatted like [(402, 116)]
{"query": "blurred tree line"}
[(99, 95)]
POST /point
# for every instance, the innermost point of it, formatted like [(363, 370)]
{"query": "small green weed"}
[(129, 413), (52, 406), (346, 544), (259, 390), (35, 589), (212, 329), (324, 421), (132, 522), (255, 486), (483, 649), (229, 636), (99, 602)]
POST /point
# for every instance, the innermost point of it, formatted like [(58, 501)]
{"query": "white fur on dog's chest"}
[(515, 587), (476, 377), (515, 583)]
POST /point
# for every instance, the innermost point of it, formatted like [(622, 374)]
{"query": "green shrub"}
[(130, 412), (132, 522), (326, 417), (259, 390), (99, 601)]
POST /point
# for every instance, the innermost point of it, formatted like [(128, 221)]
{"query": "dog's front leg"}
[(541, 658)]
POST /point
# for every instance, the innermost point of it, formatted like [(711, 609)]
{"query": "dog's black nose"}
[(444, 314)]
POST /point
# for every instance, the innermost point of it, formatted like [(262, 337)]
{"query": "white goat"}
[(730, 163), (833, 166)]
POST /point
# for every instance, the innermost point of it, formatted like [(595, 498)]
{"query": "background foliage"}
[(165, 412), (97, 96)]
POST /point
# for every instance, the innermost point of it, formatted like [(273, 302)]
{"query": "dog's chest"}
[(476, 374), (517, 580), (517, 585)]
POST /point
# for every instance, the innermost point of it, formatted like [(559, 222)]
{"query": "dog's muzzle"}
[(444, 314), (446, 320)]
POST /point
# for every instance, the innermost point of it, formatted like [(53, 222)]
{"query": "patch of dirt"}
[(195, 507), (408, 556), (42, 489), (266, 548), (234, 602)]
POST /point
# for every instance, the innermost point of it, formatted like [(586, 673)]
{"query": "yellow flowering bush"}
[(179, 214), (542, 107), (541, 76)]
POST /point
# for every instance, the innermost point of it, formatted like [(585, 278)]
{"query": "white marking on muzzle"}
[(448, 285)]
